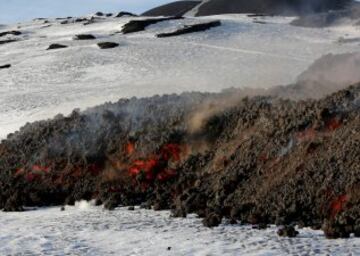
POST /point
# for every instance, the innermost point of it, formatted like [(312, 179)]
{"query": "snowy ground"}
[(240, 53), (89, 230)]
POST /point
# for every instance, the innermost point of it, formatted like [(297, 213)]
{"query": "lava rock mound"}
[(260, 160)]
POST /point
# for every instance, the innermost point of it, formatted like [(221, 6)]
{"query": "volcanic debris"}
[(261, 160), (192, 29)]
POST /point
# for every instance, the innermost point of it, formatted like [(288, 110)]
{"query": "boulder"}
[(107, 45), (5, 66), (84, 37), (287, 231), (56, 46)]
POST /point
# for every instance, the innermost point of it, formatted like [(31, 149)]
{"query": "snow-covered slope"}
[(240, 53), (89, 230)]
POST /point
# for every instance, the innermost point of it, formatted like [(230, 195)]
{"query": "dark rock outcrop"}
[(107, 45), (56, 46), (84, 37), (12, 32), (125, 14), (140, 25), (192, 29), (7, 41)]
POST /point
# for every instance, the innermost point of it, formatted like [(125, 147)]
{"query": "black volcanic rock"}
[(12, 32), (140, 25), (124, 14), (287, 231), (177, 8), (107, 45), (5, 66), (84, 37), (99, 14), (192, 29), (276, 7), (56, 46), (7, 41)]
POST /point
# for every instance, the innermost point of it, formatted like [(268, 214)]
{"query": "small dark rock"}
[(62, 208), (287, 231), (108, 14), (56, 46), (78, 20), (212, 220), (107, 45), (260, 226), (111, 204), (131, 208), (5, 66), (99, 14), (145, 205), (169, 248), (84, 37)]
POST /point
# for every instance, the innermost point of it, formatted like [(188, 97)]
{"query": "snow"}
[(84, 229), (240, 53)]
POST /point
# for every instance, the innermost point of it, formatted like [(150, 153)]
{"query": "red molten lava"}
[(130, 148), (337, 205), (156, 167), (39, 168), (95, 169), (171, 151), (333, 124), (308, 134)]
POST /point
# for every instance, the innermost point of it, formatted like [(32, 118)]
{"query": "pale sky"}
[(20, 10)]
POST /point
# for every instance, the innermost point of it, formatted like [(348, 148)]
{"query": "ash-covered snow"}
[(88, 230), (240, 53)]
